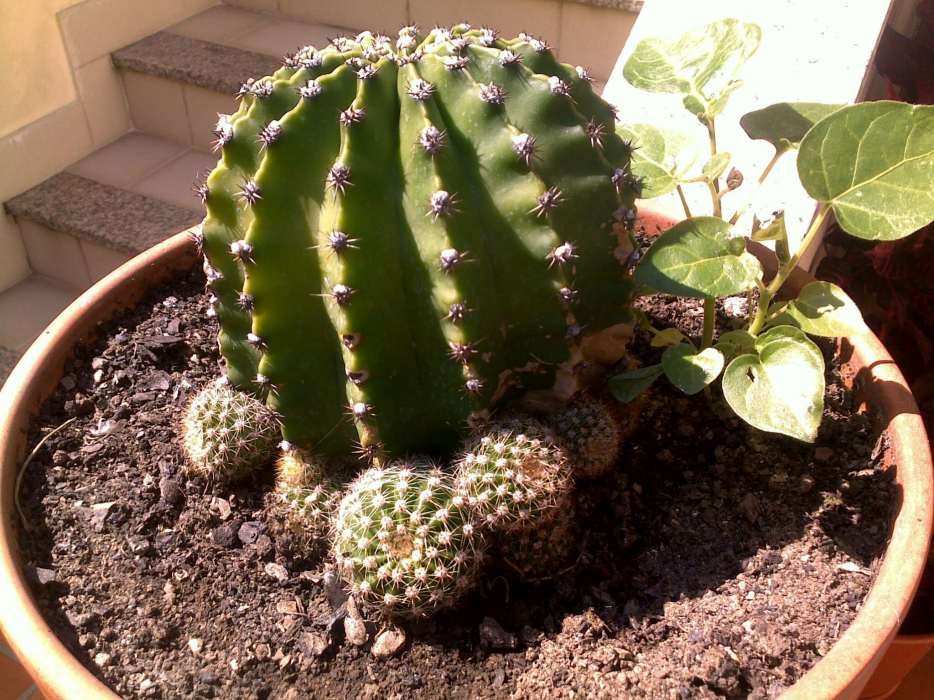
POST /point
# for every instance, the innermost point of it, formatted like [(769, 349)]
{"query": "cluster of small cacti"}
[(401, 235), (228, 434)]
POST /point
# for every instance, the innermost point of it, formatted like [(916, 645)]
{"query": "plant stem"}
[(710, 317), (765, 173), (714, 184), (684, 202), (766, 294)]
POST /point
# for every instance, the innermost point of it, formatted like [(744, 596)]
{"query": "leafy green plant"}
[(869, 165)]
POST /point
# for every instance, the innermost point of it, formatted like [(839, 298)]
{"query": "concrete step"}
[(80, 224), (178, 80), (26, 309)]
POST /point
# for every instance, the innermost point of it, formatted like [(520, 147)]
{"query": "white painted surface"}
[(811, 51)]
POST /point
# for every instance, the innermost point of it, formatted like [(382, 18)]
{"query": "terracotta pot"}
[(841, 673)]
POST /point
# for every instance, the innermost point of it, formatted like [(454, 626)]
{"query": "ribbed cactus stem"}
[(425, 227)]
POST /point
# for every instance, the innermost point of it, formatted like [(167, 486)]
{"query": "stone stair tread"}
[(211, 66), (123, 221)]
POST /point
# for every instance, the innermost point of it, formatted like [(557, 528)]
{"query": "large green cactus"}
[(400, 235)]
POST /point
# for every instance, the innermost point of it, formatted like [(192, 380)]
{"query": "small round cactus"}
[(227, 434), (514, 475), (309, 494), (542, 551), (405, 542), (591, 429)]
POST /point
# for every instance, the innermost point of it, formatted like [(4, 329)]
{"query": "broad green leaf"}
[(874, 164), (823, 309), (733, 343), (779, 388), (698, 258), (660, 157), (701, 64), (690, 370), (628, 385), (714, 167), (666, 337), (784, 124)]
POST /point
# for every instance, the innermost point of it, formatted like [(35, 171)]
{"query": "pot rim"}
[(841, 673)]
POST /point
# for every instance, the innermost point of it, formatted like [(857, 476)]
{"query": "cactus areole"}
[(401, 235)]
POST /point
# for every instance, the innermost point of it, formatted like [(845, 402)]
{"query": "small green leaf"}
[(660, 157), (784, 124), (775, 231), (733, 343), (698, 258), (690, 370), (628, 385), (779, 388), (714, 167), (822, 309), (701, 64), (873, 163), (666, 337)]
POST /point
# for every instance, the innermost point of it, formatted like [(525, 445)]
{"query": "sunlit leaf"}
[(779, 387), (733, 343), (701, 64), (690, 370), (627, 386), (775, 231), (666, 337), (714, 167), (823, 309), (874, 164), (784, 124), (698, 258), (660, 158)]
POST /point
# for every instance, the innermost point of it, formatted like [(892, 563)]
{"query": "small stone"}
[(170, 491), (277, 571), (207, 677), (196, 645), (68, 382), (102, 659), (45, 576), (313, 644), (354, 626), (221, 506), (823, 454), (98, 376), (99, 513), (262, 651), (388, 642), (493, 636), (749, 506), (226, 535), (138, 544), (805, 483), (250, 531)]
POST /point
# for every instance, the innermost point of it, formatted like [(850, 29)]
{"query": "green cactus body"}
[(398, 239), (592, 430), (514, 477), (308, 493), (543, 551), (404, 542), (227, 434)]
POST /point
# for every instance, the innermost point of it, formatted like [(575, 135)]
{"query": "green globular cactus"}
[(226, 434), (514, 476), (308, 493), (402, 235), (404, 541), (591, 428)]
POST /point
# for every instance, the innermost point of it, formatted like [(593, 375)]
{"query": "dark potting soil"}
[(716, 561)]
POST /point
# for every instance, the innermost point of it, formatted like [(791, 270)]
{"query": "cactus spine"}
[(398, 235)]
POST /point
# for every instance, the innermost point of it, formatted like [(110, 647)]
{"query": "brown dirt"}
[(717, 561)]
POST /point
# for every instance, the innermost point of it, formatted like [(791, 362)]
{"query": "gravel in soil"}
[(716, 561)]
